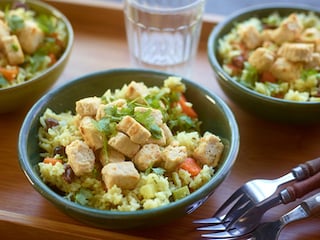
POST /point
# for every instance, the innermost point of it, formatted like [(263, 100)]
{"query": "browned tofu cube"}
[(136, 132), (123, 144), (81, 158), (209, 150), (88, 106), (92, 136), (149, 155), (122, 174), (173, 155), (110, 156)]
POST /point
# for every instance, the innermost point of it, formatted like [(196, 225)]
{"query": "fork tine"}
[(238, 209), (232, 216), (218, 218), (237, 194), (217, 227), (227, 224), (212, 220), (231, 234)]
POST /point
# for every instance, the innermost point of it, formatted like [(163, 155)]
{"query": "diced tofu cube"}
[(167, 134), (315, 62), (149, 155), (162, 141), (136, 132), (110, 156), (261, 59), (310, 35), (101, 112), (13, 50), (122, 143), (88, 106), (250, 36), (209, 150), (296, 52), (30, 36), (284, 70), (172, 156), (266, 35), (91, 135), (4, 32), (122, 174), (155, 113), (288, 31), (136, 91), (80, 157)]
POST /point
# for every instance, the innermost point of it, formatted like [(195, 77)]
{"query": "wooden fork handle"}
[(299, 189), (312, 204), (307, 169)]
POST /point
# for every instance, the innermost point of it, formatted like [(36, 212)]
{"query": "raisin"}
[(238, 61), (68, 174), (51, 122), (60, 150)]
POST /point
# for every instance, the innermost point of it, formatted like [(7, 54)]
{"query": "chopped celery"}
[(180, 192)]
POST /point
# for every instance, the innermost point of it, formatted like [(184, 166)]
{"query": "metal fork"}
[(271, 230), (256, 191), (251, 218)]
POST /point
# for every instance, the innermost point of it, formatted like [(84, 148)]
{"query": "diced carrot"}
[(267, 77), (52, 58), (9, 73), (186, 108), (52, 161), (190, 165)]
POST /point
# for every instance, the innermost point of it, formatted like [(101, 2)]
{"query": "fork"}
[(256, 191), (252, 216), (271, 230)]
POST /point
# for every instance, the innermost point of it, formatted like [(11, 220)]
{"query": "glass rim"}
[(185, 7)]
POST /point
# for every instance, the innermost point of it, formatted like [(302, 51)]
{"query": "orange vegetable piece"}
[(9, 74), (267, 77), (186, 108), (190, 165), (52, 58), (52, 161)]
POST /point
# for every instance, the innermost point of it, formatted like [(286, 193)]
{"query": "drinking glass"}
[(163, 34)]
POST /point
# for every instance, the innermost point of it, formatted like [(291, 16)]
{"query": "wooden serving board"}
[(268, 150)]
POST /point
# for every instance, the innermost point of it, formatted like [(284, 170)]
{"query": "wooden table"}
[(268, 150)]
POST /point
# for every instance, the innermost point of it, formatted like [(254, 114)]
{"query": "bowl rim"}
[(213, 42), (70, 33), (61, 202)]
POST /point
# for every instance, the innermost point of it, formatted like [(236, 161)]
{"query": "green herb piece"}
[(106, 126), (180, 193), (306, 73), (46, 23), (37, 62), (14, 47), (83, 196), (159, 171), (3, 81), (15, 22), (249, 75), (148, 121)]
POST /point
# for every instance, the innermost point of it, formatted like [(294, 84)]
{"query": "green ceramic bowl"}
[(263, 106), (18, 96), (214, 113)]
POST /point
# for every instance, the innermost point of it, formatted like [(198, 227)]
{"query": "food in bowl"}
[(275, 55), (133, 148), (30, 42)]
